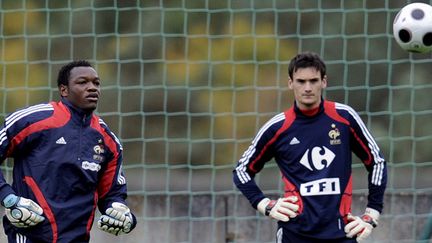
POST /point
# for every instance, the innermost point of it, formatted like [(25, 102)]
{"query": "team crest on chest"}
[(334, 134), (98, 151)]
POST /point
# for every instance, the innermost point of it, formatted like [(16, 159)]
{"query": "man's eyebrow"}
[(87, 77), (303, 80)]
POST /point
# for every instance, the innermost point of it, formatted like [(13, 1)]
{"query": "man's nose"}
[(308, 86), (92, 86)]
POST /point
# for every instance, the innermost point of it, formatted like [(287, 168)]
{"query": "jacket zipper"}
[(80, 136)]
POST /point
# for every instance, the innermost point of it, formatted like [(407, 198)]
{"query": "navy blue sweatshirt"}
[(314, 154), (67, 161)]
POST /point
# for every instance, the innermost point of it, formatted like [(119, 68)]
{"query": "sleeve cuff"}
[(373, 213), (5, 191)]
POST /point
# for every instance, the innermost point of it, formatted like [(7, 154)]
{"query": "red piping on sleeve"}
[(107, 178), (345, 206), (291, 190), (44, 204), (367, 161), (91, 219), (330, 110)]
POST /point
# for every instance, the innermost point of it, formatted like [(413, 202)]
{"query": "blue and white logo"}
[(90, 166), (325, 186), (318, 158)]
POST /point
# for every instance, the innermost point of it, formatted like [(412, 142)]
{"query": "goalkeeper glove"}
[(282, 209), (22, 212), (117, 219), (362, 226)]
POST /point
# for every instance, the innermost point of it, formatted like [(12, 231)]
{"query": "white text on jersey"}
[(326, 186)]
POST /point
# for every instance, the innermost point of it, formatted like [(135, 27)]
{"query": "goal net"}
[(186, 85)]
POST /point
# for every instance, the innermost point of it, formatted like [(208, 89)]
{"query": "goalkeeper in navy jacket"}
[(312, 144), (66, 164)]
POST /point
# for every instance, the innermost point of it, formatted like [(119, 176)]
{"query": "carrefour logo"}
[(318, 158)]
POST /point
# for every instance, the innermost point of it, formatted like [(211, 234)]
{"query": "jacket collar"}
[(309, 113), (78, 114)]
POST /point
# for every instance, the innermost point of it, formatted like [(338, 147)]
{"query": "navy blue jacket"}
[(67, 161), (314, 155)]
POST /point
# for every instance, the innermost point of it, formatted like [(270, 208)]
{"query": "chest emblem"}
[(317, 158), (99, 150), (334, 134)]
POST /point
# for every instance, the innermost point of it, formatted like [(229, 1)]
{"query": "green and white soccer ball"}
[(412, 28)]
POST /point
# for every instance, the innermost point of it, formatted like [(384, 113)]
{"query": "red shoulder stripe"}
[(59, 118), (330, 110), (289, 119)]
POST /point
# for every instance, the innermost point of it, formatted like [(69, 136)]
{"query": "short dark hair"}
[(64, 73), (306, 60)]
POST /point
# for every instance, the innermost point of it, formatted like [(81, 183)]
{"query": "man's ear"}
[(324, 83), (64, 91), (290, 83)]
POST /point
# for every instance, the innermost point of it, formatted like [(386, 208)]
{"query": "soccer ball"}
[(412, 28)]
